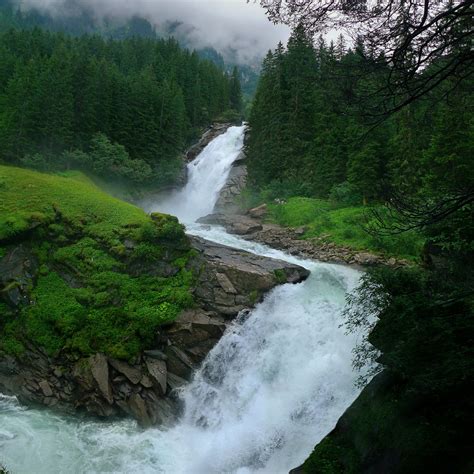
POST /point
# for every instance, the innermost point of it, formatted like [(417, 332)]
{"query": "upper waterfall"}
[(207, 175)]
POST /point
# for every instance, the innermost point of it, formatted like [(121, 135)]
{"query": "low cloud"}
[(227, 25)]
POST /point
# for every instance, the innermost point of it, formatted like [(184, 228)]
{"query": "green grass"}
[(343, 226), (28, 197), (94, 293)]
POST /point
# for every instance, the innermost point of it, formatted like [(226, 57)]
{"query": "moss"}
[(280, 276), (254, 296), (86, 297)]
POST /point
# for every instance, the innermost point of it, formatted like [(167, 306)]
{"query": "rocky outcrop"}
[(233, 280), (145, 388), (210, 134), (228, 200), (291, 241)]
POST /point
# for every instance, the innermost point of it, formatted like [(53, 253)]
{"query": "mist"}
[(232, 27)]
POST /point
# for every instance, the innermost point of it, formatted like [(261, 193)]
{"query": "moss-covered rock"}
[(83, 272)]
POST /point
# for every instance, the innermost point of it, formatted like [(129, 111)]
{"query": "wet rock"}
[(137, 407), (156, 354), (225, 283), (146, 382), (245, 228), (158, 373), (228, 201), (132, 373), (100, 371), (251, 276), (175, 381), (179, 363), (45, 388)]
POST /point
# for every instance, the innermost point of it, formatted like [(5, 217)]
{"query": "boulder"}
[(100, 371), (225, 269), (158, 373), (45, 388), (245, 227), (259, 212), (175, 381), (137, 407), (179, 363), (132, 373)]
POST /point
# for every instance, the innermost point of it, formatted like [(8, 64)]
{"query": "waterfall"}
[(274, 385), (207, 175)]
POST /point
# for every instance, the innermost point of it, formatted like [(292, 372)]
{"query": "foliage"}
[(122, 109), (343, 225), (89, 296)]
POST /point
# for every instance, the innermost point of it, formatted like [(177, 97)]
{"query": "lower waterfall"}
[(275, 384)]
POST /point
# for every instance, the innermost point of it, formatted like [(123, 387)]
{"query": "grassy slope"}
[(26, 196), (78, 233), (343, 226)]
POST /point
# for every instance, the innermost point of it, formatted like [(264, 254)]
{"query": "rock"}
[(250, 276), (175, 382), (146, 382), (225, 283), (299, 231), (138, 409), (245, 228), (132, 373), (155, 354), (179, 363), (259, 212), (100, 371), (45, 388), (228, 200), (367, 259), (158, 373), (58, 373)]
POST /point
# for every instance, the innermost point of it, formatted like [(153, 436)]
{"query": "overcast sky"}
[(217, 23)]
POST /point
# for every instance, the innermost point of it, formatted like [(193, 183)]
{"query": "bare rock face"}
[(233, 280), (230, 193), (213, 132)]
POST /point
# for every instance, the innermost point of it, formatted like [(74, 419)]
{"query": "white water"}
[(207, 174), (273, 386)]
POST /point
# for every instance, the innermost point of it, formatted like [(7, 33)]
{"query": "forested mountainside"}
[(123, 110), (87, 23), (321, 138)]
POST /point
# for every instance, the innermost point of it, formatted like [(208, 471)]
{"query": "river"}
[(275, 384)]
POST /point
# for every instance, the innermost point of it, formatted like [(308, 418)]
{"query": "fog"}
[(222, 24)]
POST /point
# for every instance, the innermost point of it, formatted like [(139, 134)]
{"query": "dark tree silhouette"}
[(425, 42)]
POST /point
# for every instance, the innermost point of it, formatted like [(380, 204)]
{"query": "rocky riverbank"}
[(292, 242), (228, 282)]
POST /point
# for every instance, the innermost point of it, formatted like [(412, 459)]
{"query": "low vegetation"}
[(107, 274), (344, 225)]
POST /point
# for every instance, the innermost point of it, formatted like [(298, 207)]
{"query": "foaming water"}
[(207, 175), (273, 386)]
